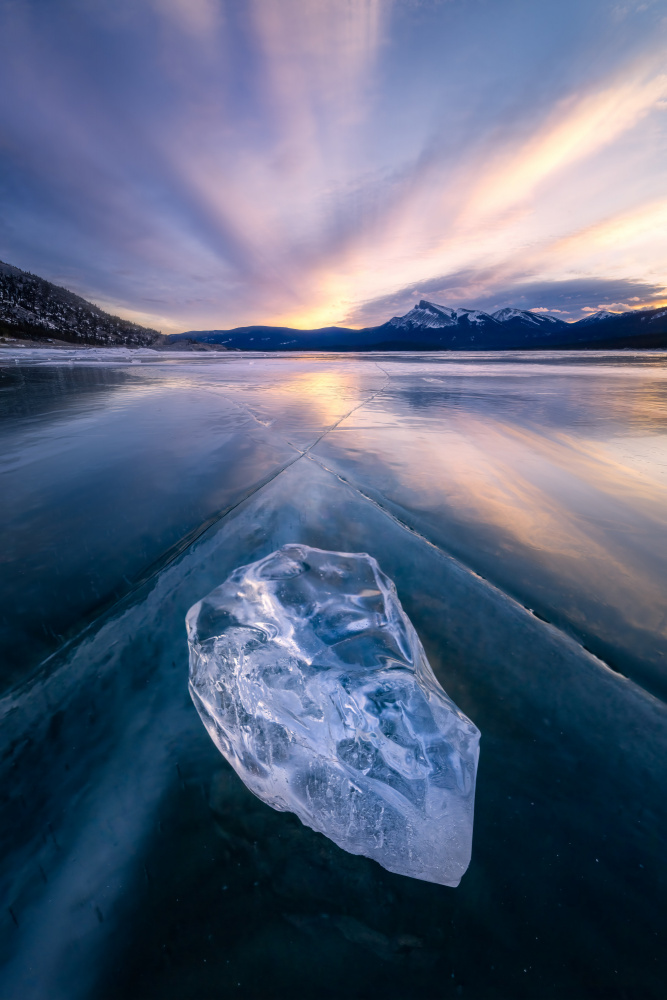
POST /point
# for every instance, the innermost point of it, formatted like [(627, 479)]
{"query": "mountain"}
[(34, 309), (518, 318), (273, 338), (639, 328), (428, 316), (428, 326), (431, 327), (37, 310), (597, 316)]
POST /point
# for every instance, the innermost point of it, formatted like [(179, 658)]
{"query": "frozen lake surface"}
[(519, 502)]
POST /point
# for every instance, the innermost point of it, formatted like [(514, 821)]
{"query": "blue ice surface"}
[(497, 492)]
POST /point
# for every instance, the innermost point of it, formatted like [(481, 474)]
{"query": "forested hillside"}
[(35, 309)]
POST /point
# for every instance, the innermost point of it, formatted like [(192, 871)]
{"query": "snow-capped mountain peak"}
[(472, 315), (597, 316), (509, 314), (427, 315), (504, 315)]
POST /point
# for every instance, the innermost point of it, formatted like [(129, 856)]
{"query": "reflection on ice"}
[(135, 863), (543, 472), (125, 831), (546, 478)]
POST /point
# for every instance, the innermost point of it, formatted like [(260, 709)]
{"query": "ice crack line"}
[(193, 536), (301, 452), (158, 565), (443, 554), (265, 425), (378, 392)]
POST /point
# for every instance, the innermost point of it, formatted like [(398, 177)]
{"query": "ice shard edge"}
[(312, 682)]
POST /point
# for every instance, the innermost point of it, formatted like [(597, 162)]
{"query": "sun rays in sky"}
[(209, 164)]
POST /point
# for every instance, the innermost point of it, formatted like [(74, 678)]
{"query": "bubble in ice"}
[(312, 682)]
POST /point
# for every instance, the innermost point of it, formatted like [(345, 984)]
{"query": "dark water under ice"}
[(520, 504)]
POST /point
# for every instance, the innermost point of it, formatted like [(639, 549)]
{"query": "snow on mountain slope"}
[(597, 316), (505, 315), (35, 308), (473, 316), (524, 316), (427, 315)]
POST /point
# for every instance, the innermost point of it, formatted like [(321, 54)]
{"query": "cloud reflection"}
[(551, 485)]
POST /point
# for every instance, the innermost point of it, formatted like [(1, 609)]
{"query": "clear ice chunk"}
[(312, 682)]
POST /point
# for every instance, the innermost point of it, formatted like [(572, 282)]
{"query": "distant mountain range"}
[(34, 309), (430, 327)]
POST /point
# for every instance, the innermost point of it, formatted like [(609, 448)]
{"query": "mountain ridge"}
[(37, 310), (429, 326)]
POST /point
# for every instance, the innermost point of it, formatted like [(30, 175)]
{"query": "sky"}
[(207, 164)]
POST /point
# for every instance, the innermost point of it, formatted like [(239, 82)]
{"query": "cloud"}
[(644, 221), (198, 18), (317, 161), (571, 299), (577, 128)]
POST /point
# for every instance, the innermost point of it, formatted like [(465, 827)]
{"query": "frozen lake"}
[(519, 502)]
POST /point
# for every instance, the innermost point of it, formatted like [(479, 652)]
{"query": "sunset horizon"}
[(198, 165)]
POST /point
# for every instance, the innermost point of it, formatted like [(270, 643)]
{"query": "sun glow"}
[(303, 163)]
